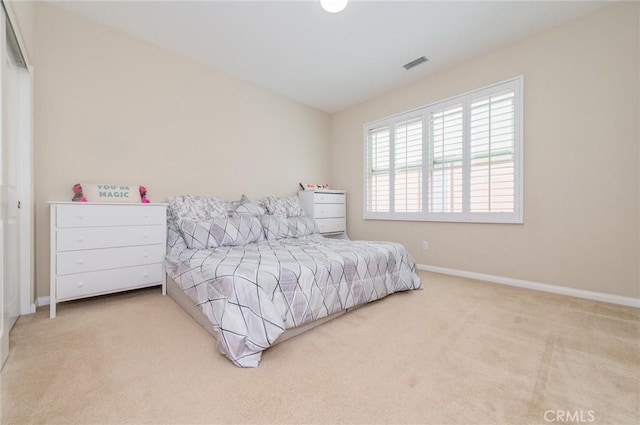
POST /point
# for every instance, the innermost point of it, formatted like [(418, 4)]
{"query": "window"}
[(455, 160)]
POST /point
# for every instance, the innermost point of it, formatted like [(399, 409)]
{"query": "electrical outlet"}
[(425, 245)]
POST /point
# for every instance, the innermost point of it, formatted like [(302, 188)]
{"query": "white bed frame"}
[(174, 291)]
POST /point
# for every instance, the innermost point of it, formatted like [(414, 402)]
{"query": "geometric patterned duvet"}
[(252, 293)]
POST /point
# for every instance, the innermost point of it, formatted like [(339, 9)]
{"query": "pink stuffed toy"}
[(77, 193), (143, 195)]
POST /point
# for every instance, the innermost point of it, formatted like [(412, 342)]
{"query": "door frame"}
[(25, 194), (25, 178)]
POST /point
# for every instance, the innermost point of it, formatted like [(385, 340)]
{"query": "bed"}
[(256, 273)]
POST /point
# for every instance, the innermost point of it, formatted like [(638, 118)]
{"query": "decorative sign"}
[(87, 192)]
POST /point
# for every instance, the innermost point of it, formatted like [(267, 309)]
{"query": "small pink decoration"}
[(77, 193), (312, 186)]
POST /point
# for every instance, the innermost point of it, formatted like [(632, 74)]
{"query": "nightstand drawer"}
[(109, 215), (329, 210), (109, 258), (106, 281), (330, 225), (77, 238), (329, 198)]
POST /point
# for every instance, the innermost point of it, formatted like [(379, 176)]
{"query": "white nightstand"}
[(101, 248), (328, 208)]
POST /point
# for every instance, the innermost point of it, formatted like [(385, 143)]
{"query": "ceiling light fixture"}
[(333, 6)]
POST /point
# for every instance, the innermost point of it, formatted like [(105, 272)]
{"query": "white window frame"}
[(465, 216)]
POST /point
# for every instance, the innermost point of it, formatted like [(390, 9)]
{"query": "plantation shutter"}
[(457, 160), (445, 160), (378, 169), (408, 165), (492, 149)]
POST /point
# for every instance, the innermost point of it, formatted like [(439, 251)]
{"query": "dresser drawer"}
[(330, 225), (79, 215), (329, 210), (95, 283), (328, 198), (109, 258), (77, 238)]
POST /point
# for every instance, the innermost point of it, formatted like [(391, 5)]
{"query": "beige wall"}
[(113, 108), (581, 139)]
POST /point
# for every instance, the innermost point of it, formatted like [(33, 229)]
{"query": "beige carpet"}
[(459, 352)]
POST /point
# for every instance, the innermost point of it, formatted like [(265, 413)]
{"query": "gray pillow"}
[(247, 206), (235, 230), (276, 227), (288, 206), (196, 207)]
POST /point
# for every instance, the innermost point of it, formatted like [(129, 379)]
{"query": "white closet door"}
[(9, 223)]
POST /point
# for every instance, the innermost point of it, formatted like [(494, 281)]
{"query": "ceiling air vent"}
[(415, 62)]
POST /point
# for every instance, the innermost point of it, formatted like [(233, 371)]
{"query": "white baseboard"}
[(536, 286), (42, 301)]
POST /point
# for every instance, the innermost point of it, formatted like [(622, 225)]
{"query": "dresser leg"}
[(52, 309)]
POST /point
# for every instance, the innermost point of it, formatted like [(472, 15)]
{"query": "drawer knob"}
[(80, 238), (146, 274), (81, 261), (146, 214), (146, 235), (146, 254), (80, 216), (80, 284)]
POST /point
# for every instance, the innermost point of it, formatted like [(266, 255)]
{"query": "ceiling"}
[(330, 61)]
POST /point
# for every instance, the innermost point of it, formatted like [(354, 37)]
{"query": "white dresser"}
[(328, 208), (100, 248)]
